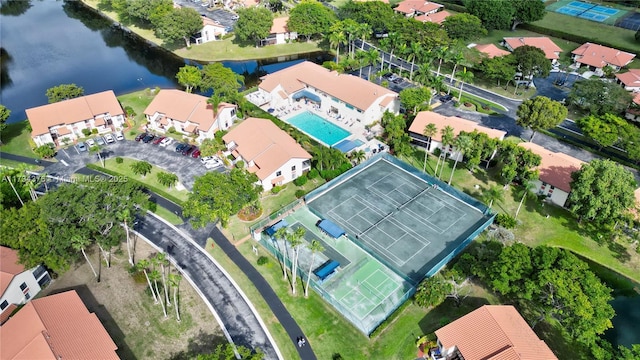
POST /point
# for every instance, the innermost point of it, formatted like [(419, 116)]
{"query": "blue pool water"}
[(319, 128)]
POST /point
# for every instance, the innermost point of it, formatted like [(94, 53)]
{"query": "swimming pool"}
[(319, 128)]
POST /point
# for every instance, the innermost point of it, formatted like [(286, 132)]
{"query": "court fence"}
[(259, 226), (367, 324)]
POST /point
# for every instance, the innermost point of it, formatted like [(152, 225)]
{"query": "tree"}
[(254, 24), (217, 196), (373, 58), (143, 265), (499, 68), (222, 80), (11, 177), (415, 99), (174, 281), (295, 240), (462, 144), (532, 61), (4, 115), (337, 38), (447, 140), (96, 149), (493, 194), (80, 243), (45, 151), (429, 130), (464, 76), (190, 77), (495, 15), (378, 16), (637, 35), (167, 179), (456, 57), (432, 291), (525, 191), (357, 156), (442, 54), (282, 234), (527, 11), (210, 147), (517, 163), (125, 216), (315, 246), (161, 259), (141, 168), (605, 130), (154, 276), (415, 52), (540, 113), (599, 97), (275, 5), (64, 92), (309, 18), (464, 27), (601, 192), (179, 24), (228, 352)]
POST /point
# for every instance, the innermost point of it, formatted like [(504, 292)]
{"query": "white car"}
[(166, 142), (215, 163), (90, 142), (119, 136), (109, 139)]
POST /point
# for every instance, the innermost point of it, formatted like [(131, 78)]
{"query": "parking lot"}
[(224, 17), (185, 166)]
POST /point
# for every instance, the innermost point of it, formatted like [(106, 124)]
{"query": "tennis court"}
[(589, 11), (412, 224), (631, 22)]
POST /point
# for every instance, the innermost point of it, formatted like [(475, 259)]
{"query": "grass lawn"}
[(138, 100), (16, 139), (18, 165), (168, 215), (150, 180), (542, 223), (145, 33)]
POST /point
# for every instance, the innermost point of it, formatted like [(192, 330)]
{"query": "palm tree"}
[(493, 194), (394, 41), (8, 174), (174, 280), (415, 52), (124, 215), (80, 243), (315, 246), (402, 49), (463, 145), (447, 139), (282, 234), (423, 74), (357, 156), (144, 265), (526, 192), (337, 38), (442, 54), (372, 58), (456, 58), (295, 240), (429, 130), (362, 58), (364, 31), (215, 101), (161, 259), (464, 76), (95, 149), (154, 275)]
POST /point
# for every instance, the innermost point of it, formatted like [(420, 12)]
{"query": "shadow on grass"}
[(12, 131), (447, 312), (92, 304), (202, 343)]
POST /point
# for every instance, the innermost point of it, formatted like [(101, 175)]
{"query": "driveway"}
[(547, 86), (224, 17)]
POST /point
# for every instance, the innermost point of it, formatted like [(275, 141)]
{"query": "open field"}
[(127, 311), (16, 139)]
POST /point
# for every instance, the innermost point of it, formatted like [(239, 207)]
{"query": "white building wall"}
[(555, 195), (14, 295), (286, 172)]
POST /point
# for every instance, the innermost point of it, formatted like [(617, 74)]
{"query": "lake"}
[(48, 43)]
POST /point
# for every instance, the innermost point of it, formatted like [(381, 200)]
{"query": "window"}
[(4, 305), (27, 296), (278, 173), (23, 286), (349, 106), (293, 168), (233, 111)]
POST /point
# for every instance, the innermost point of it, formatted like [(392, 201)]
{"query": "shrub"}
[(276, 189), (132, 132), (119, 160), (262, 260), (506, 221), (151, 206), (300, 193), (45, 151), (94, 131), (86, 132), (171, 130), (240, 164), (300, 181), (313, 174)]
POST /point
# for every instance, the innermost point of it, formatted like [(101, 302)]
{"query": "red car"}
[(196, 153), (158, 140)]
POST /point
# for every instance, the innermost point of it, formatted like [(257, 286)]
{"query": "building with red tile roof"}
[(56, 327), (491, 332), (551, 50), (188, 114), (490, 50), (555, 173), (279, 32), (211, 31), (597, 57), (436, 18), (417, 7), (17, 283), (347, 95), (64, 121), (630, 80), (269, 152)]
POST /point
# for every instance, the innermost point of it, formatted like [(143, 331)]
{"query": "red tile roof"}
[(543, 43), (411, 6), (458, 124), (279, 25), (599, 56), (491, 50), (269, 147), (72, 111), (631, 78), (555, 168), (437, 18), (496, 332), (182, 106), (9, 267), (55, 327)]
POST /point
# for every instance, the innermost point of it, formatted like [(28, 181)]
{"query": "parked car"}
[(188, 150), (181, 147), (397, 80), (235, 17), (100, 141), (81, 146), (446, 98), (119, 136), (158, 140), (388, 76), (140, 136), (196, 153), (166, 142), (90, 142), (381, 34), (109, 139), (207, 159), (148, 138), (215, 163)]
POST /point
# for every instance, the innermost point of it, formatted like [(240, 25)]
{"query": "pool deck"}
[(357, 129)]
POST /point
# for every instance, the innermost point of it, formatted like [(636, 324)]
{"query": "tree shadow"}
[(14, 130), (202, 343), (619, 251), (92, 304), (447, 312)]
